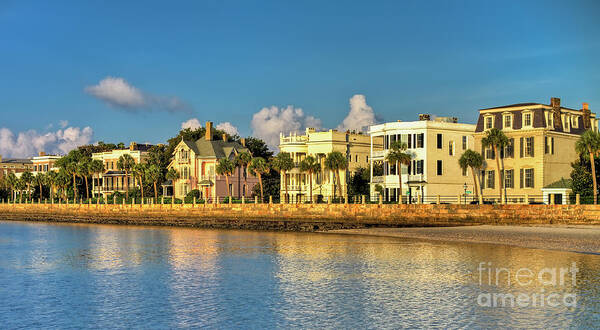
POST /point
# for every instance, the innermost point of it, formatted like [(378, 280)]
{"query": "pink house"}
[(196, 163)]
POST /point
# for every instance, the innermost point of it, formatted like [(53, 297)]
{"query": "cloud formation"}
[(228, 128), (119, 94), (192, 123), (30, 143), (270, 121), (360, 117)]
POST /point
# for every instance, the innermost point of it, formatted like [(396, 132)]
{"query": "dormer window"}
[(507, 121), (488, 122), (527, 119), (575, 121), (566, 123), (549, 119)]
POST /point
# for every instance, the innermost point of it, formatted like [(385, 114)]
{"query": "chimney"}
[(585, 106), (132, 146), (243, 141), (41, 154), (555, 102), (224, 137), (209, 125), (587, 120), (424, 116)]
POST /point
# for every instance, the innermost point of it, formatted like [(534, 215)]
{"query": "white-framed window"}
[(566, 123), (549, 119), (529, 181), (507, 120), (509, 178), (491, 179), (464, 142), (527, 119), (575, 121), (529, 147), (488, 122)]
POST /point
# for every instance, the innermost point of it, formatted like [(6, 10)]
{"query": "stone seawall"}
[(304, 217)]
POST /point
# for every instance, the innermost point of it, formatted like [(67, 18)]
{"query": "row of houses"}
[(541, 148), (536, 161)]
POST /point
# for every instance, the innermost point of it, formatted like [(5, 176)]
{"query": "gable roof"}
[(214, 148), (562, 183)]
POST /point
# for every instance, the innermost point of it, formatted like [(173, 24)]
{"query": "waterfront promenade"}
[(304, 217)]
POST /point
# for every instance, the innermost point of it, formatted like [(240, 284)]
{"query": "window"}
[(356, 158), (489, 153), (419, 166), (566, 124), (509, 178), (575, 123), (420, 138), (451, 148), (367, 159), (439, 167), (550, 119), (548, 145), (527, 119), (529, 178), (439, 141), (489, 122), (490, 179), (507, 121), (529, 147), (464, 142), (509, 150)]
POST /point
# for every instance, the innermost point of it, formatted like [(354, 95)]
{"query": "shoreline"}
[(566, 238)]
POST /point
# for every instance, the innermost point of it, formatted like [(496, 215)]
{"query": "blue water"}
[(97, 276)]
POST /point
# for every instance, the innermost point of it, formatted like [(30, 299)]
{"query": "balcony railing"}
[(379, 153)]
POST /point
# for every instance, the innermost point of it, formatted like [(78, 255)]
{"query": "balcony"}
[(377, 179), (379, 154), (416, 178)]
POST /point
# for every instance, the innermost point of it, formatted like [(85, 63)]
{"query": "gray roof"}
[(214, 148), (562, 183), (16, 161)]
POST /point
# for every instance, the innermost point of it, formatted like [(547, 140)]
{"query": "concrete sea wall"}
[(303, 217)]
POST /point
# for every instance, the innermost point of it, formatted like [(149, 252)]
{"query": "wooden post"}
[(328, 199), (439, 199), (255, 199), (526, 198), (480, 197), (459, 199), (551, 199), (194, 201), (230, 199), (243, 200), (364, 199), (577, 200), (380, 200), (270, 199), (345, 199), (502, 199)]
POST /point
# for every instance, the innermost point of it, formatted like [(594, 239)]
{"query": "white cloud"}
[(63, 123), (228, 128), (360, 116), (29, 143), (269, 122), (192, 123), (118, 93)]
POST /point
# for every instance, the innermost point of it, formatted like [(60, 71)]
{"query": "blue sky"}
[(226, 60)]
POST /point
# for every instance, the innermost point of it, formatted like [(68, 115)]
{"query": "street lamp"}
[(465, 188)]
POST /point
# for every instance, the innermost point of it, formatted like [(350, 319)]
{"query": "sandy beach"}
[(573, 238)]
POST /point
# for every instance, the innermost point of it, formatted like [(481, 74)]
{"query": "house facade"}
[(44, 163), (196, 163), (355, 146), (14, 165), (435, 147), (113, 179), (541, 146)]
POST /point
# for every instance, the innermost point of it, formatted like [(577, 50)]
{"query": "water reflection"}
[(112, 276)]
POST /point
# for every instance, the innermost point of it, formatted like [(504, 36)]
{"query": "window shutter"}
[(521, 178), (532, 178), (482, 179), (532, 147), (552, 147), (521, 147)]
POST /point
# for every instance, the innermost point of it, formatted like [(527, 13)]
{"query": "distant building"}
[(44, 163), (113, 179), (14, 165), (355, 146), (196, 163), (435, 146), (541, 146)]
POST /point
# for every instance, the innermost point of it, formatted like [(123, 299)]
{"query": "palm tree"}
[(21, 184), (11, 180), (173, 175), (52, 182), (310, 166), (589, 144), (242, 160), (259, 166), (69, 164), (474, 160), (153, 174), (139, 171), (62, 181), (225, 167), (28, 180), (336, 162), (496, 139), (41, 179), (83, 171), (283, 163), (96, 167), (125, 163), (398, 156)]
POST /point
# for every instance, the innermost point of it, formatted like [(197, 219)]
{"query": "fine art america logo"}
[(548, 287)]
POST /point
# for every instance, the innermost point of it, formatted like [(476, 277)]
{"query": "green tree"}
[(12, 181), (398, 156), (153, 173), (283, 163), (359, 182), (259, 166), (336, 162), (310, 166), (41, 180), (581, 175), (28, 179), (242, 160), (474, 160), (83, 171), (52, 182), (173, 175), (96, 167), (138, 171), (225, 167), (126, 163), (69, 164), (496, 139), (258, 148), (62, 181), (588, 145)]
